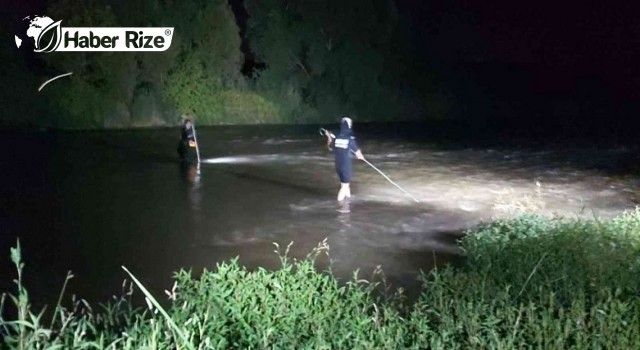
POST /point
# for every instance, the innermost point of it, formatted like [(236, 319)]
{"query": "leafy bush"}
[(528, 282), (244, 107), (565, 256)]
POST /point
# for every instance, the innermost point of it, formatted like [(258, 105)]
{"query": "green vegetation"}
[(145, 89), (528, 282), (328, 58), (309, 62)]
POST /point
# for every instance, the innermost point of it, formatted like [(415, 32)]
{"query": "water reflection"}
[(190, 176), (344, 207)]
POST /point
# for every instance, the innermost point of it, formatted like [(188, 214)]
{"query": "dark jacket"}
[(187, 134), (343, 145), (185, 150)]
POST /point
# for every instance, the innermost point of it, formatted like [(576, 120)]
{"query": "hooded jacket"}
[(343, 145)]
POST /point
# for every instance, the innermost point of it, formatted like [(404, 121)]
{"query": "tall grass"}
[(528, 282)]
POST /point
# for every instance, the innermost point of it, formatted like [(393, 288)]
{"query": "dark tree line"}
[(317, 60)]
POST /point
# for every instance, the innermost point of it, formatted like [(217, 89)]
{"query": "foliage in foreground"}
[(528, 282)]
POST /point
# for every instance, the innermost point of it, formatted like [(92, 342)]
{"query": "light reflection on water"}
[(119, 200)]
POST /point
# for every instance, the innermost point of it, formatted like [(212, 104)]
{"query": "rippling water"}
[(91, 202)]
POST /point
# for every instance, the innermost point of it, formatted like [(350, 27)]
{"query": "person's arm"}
[(355, 149), (330, 138)]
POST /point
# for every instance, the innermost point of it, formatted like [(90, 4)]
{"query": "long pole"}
[(388, 179), (195, 138), (324, 131)]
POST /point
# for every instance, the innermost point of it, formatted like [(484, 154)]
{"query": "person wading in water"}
[(343, 145), (187, 144)]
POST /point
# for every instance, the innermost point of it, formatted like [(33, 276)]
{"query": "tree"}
[(209, 59), (329, 56)]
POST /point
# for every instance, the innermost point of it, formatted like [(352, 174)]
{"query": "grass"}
[(528, 282)]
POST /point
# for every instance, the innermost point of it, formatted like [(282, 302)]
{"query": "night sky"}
[(585, 40)]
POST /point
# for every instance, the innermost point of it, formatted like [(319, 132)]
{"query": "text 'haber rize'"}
[(132, 39)]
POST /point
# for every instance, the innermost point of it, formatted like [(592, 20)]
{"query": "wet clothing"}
[(187, 145), (343, 145)]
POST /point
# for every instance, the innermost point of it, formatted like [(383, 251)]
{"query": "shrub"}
[(527, 282)]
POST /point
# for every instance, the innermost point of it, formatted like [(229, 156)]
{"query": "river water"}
[(91, 202)]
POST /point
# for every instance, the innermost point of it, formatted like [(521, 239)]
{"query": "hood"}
[(345, 126)]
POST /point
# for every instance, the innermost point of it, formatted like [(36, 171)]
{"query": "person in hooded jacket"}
[(343, 145), (187, 144)]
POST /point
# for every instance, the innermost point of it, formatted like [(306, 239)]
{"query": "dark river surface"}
[(93, 201)]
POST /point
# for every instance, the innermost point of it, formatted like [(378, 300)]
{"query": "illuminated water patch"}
[(266, 158)]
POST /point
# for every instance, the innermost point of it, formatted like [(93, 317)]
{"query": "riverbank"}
[(527, 281)]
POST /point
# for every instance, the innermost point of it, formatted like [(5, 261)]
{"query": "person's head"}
[(187, 124), (346, 123)]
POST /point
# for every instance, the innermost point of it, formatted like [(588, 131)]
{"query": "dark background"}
[(546, 67), (535, 56)]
